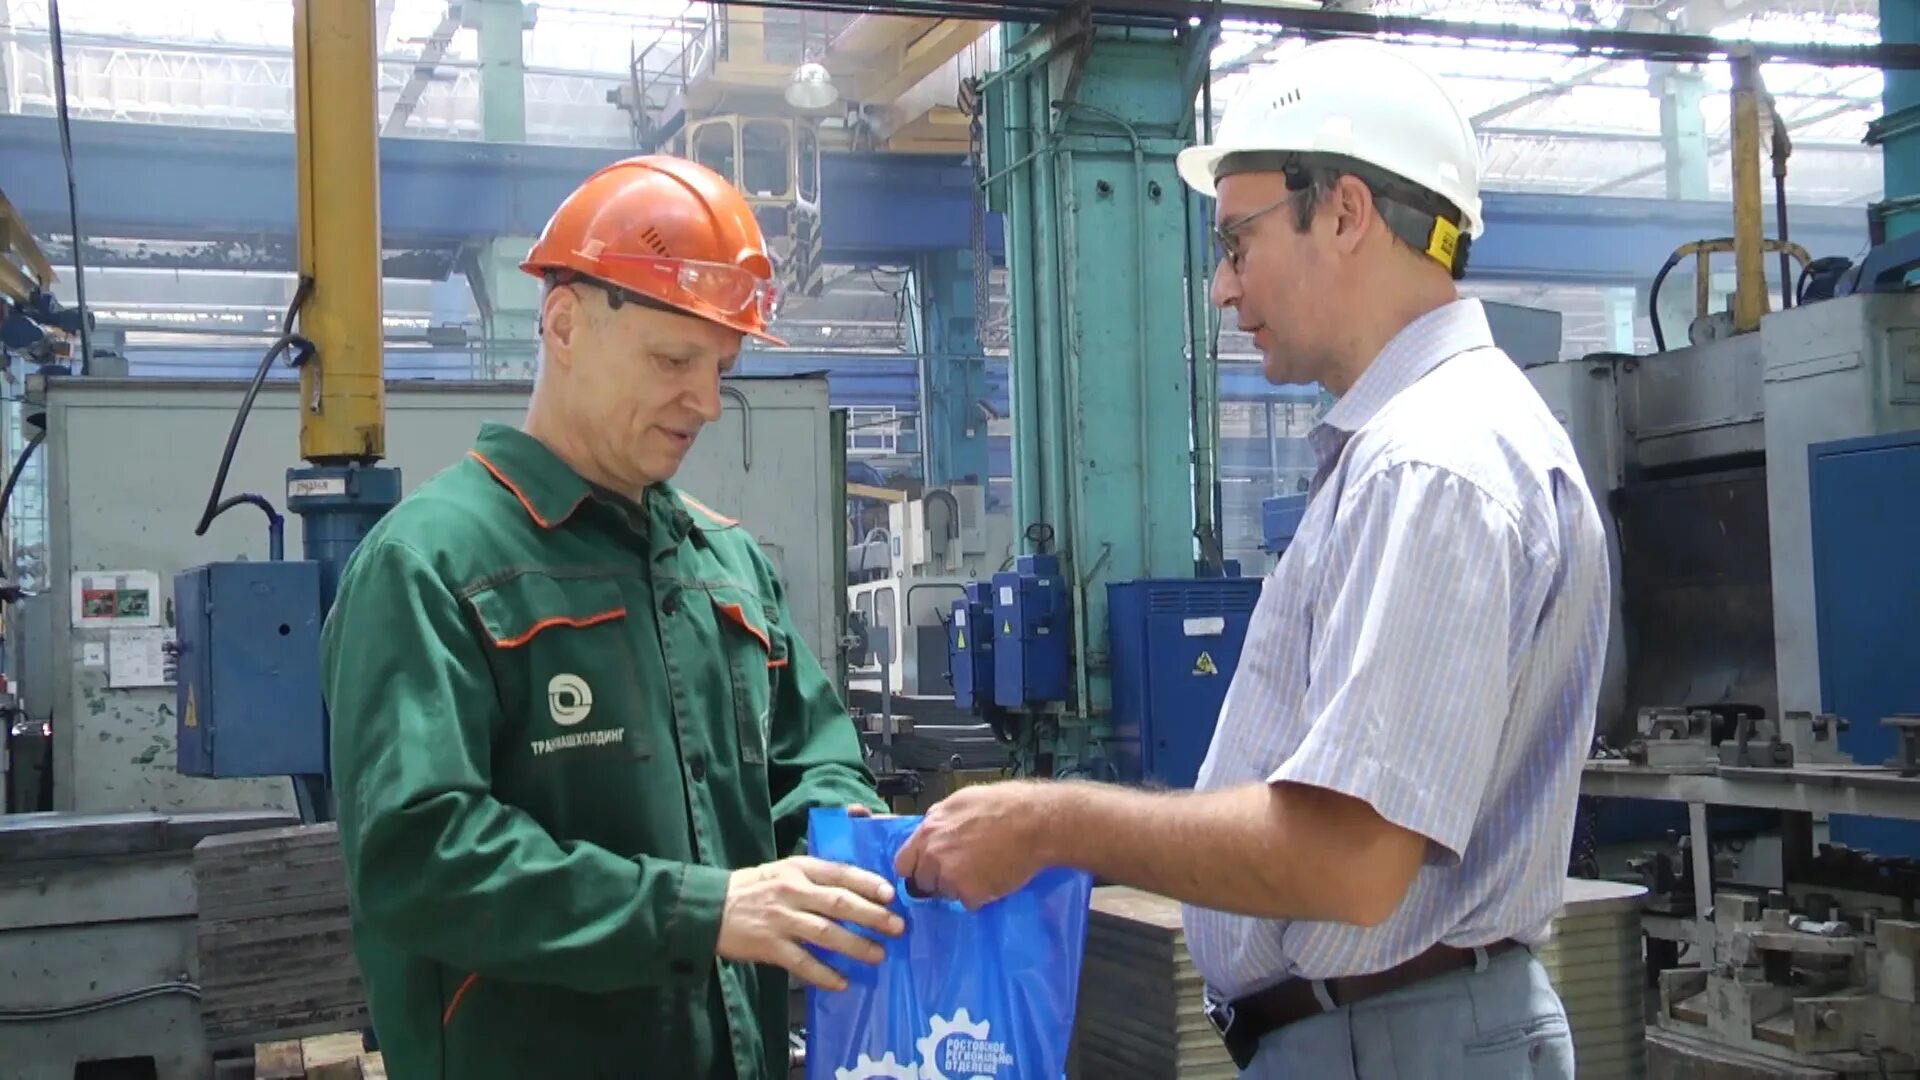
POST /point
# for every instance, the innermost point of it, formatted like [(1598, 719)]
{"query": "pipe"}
[(1022, 380), (1782, 150), (338, 172), (746, 424), (1749, 267), (1059, 363), (1053, 343)]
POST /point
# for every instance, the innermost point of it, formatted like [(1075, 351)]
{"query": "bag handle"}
[(903, 889)]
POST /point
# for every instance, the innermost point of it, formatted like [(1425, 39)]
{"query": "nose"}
[(1225, 292), (706, 398)]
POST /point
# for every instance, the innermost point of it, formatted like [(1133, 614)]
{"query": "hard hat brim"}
[(1196, 164)]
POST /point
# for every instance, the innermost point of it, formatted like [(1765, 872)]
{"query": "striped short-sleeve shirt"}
[(1430, 643)]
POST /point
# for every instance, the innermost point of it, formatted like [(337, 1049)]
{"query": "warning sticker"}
[(1204, 665)]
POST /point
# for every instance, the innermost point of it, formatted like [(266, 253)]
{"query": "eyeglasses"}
[(1226, 236), (727, 289)]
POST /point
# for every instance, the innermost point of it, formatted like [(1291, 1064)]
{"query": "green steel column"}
[(1082, 134), (1897, 132), (503, 68), (514, 296), (1683, 130), (953, 369)]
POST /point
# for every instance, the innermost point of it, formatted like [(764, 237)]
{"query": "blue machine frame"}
[(1176, 644), (1864, 508)]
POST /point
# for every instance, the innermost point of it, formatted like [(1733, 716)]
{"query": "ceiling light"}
[(811, 87)]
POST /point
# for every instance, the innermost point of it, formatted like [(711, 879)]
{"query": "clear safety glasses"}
[(1226, 235), (726, 289)]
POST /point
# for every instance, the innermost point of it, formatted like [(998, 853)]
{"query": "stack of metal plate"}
[(1597, 964), (275, 937), (1140, 1013)]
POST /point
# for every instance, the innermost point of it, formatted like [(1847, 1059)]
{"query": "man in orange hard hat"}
[(575, 730)]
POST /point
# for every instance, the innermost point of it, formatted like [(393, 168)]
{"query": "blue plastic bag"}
[(980, 995)]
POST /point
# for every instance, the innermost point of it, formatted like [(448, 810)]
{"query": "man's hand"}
[(978, 844), (774, 911)]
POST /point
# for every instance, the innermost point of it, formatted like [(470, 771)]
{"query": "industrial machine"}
[(343, 490), (1754, 484)]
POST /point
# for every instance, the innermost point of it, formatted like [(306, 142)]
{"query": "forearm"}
[(1265, 850)]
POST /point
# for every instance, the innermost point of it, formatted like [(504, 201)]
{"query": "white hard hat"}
[(1357, 99)]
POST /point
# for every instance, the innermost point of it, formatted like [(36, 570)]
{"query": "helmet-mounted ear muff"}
[(1419, 218)]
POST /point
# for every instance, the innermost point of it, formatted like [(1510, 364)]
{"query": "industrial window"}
[(873, 430), (809, 164), (769, 159), (713, 147)]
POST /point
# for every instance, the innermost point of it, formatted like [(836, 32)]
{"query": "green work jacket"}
[(559, 718)]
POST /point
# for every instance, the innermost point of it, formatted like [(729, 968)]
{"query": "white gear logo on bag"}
[(970, 1057), (887, 1068)]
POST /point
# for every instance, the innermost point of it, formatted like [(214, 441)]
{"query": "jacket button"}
[(698, 767)]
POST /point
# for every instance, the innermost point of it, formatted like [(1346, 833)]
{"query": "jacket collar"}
[(551, 492)]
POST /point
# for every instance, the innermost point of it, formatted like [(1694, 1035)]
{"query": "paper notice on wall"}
[(137, 657), (93, 654), (107, 598)]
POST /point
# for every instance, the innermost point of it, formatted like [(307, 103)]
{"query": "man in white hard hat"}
[(1381, 829)]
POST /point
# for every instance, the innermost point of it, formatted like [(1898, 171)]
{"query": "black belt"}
[(1243, 1023)]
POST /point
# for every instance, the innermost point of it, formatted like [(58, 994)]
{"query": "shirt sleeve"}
[(435, 863), (814, 754), (1410, 663)]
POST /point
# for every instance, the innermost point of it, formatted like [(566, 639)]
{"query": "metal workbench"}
[(1872, 791)]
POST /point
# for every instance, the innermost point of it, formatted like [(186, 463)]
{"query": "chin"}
[(1279, 373)]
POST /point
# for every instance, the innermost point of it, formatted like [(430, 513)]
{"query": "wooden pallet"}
[(321, 1057)]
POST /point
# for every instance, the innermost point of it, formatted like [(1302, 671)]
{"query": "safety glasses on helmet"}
[(728, 290)]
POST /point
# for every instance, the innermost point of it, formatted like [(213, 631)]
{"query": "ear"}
[(1354, 212), (560, 319)]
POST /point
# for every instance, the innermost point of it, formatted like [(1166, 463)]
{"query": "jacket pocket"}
[(756, 651), (563, 659)]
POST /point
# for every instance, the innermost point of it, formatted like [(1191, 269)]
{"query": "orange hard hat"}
[(667, 230)]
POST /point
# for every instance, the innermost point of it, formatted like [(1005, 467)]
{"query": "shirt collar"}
[(1419, 347), (551, 492)]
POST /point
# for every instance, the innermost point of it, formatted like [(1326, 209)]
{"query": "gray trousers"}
[(1501, 1023)]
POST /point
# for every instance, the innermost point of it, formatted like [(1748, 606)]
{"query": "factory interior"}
[(261, 274)]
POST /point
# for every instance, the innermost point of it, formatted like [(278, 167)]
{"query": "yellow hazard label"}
[(963, 639), (193, 714), (1204, 665), (1006, 629)]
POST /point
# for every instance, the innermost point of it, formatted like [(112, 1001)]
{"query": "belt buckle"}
[(1219, 1014)]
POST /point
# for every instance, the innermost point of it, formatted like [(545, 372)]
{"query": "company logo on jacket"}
[(569, 700)]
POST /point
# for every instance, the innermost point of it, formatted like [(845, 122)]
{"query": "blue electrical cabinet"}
[(248, 687), (1280, 518), (970, 646), (1864, 497), (1175, 644), (1031, 638)]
